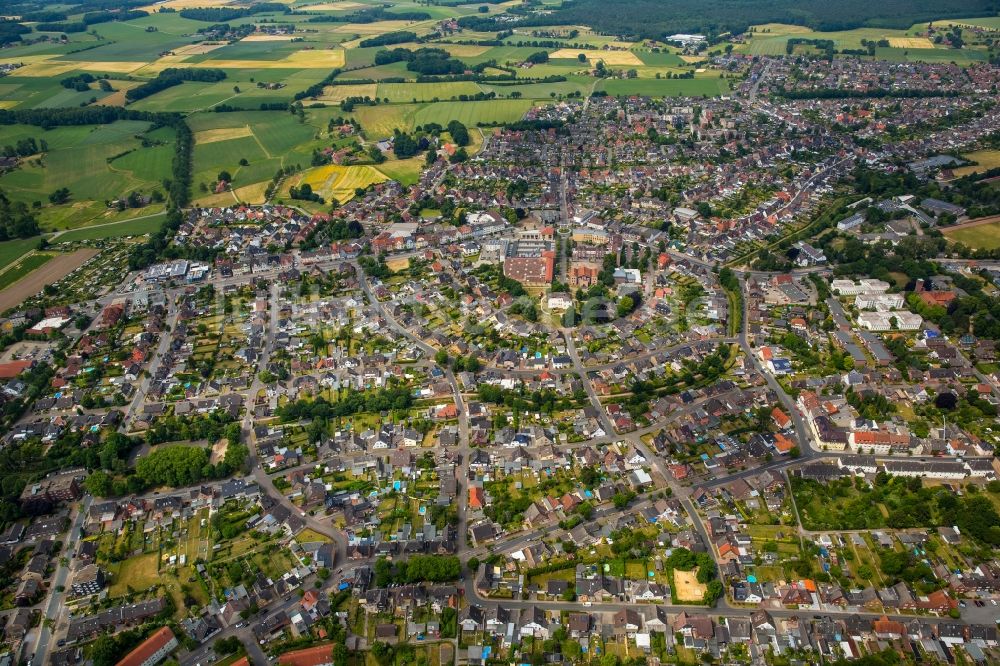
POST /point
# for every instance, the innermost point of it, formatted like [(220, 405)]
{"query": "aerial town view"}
[(522, 333)]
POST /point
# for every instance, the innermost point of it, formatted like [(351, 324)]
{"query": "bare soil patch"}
[(687, 586)]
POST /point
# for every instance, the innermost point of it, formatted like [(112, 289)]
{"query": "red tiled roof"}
[(147, 648), (13, 369)]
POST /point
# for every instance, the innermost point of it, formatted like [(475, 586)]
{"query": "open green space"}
[(985, 236), (95, 163), (380, 121), (957, 56), (661, 58), (22, 267), (666, 87), (137, 227), (11, 250)]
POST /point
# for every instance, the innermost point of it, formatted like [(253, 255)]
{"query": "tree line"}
[(372, 15), (398, 37), (354, 402), (223, 14), (647, 18), (171, 77)]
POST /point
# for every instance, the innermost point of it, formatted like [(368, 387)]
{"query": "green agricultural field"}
[(96, 164), (543, 91), (275, 132), (984, 161), (188, 96), (426, 92), (473, 113), (249, 51), (393, 70), (380, 121), (22, 267), (152, 164), (558, 67), (211, 158), (359, 57), (267, 140), (958, 56), (11, 250), (504, 54), (40, 92), (406, 171), (136, 227), (666, 87), (660, 59), (129, 42), (771, 39)]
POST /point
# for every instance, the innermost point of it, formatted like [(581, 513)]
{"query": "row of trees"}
[(370, 15), (398, 37), (223, 14), (646, 18), (173, 77), (354, 402)]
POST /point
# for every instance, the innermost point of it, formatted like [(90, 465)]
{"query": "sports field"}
[(978, 234)]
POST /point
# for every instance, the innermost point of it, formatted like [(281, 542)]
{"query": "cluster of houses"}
[(757, 632), (623, 196)]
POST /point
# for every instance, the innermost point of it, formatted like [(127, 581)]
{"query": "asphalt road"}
[(53, 605)]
